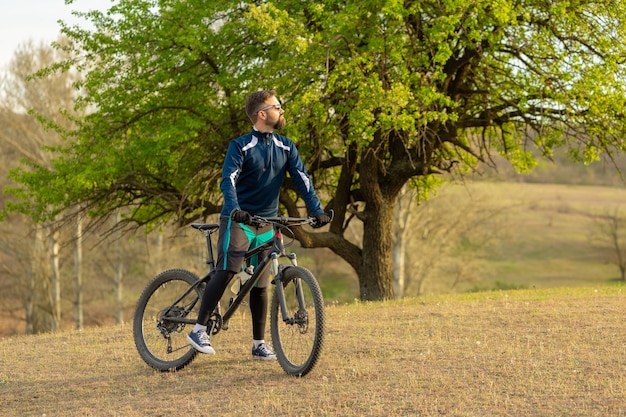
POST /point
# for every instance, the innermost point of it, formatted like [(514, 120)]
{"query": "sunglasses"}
[(275, 106)]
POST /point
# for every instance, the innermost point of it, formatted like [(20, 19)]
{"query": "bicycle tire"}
[(162, 344), (298, 341)]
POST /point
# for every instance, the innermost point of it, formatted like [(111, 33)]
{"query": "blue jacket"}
[(254, 170)]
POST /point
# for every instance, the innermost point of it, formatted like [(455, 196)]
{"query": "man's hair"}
[(256, 101)]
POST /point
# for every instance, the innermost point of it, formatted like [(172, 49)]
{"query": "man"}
[(254, 170)]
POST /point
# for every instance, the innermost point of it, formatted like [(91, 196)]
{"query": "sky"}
[(21, 20)]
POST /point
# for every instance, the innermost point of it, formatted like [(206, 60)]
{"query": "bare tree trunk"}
[(158, 262), (40, 306), (119, 316), (611, 231), (615, 231), (55, 280), (398, 266), (401, 218), (119, 274), (30, 301), (78, 275)]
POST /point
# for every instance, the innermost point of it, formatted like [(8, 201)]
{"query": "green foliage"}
[(167, 81), (378, 93)]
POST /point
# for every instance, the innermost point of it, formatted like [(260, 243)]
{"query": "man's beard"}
[(280, 123)]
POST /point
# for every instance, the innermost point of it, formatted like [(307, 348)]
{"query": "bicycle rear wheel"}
[(162, 343), (298, 340)]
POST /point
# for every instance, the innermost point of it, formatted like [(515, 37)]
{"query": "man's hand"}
[(321, 220), (241, 216)]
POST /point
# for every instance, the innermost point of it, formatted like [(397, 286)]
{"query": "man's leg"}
[(258, 310), (259, 298), (212, 294), (198, 337), (231, 248)]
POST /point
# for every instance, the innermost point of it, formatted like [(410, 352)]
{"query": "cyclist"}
[(254, 170)]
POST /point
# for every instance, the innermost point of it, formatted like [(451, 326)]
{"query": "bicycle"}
[(171, 301)]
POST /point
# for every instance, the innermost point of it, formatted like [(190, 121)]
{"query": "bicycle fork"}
[(280, 289)]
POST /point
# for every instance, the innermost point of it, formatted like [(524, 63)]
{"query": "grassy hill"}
[(552, 238), (545, 239), (543, 352)]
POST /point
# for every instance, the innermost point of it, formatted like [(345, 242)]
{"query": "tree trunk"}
[(39, 307), (119, 275), (30, 301), (55, 280), (119, 316), (400, 232), (78, 275), (158, 262), (398, 266), (376, 272)]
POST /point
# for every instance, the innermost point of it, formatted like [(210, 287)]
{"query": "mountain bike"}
[(171, 301)]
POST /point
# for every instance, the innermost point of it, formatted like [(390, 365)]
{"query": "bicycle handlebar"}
[(282, 220), (258, 220), (287, 221)]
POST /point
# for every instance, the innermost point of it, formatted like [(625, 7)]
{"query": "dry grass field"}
[(543, 352), (556, 241)]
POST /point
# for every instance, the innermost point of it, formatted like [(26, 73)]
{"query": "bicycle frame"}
[(276, 252)]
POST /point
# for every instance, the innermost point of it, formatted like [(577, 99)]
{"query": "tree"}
[(379, 94), (23, 101), (610, 235), (449, 249), (401, 235), (78, 275)]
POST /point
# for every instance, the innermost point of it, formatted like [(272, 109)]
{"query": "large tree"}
[(379, 94)]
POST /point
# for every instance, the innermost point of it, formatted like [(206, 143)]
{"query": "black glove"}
[(241, 216), (321, 220)]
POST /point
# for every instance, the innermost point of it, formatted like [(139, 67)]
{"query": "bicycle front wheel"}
[(161, 342), (298, 336)]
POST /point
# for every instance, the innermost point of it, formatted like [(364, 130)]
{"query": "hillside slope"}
[(548, 235)]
